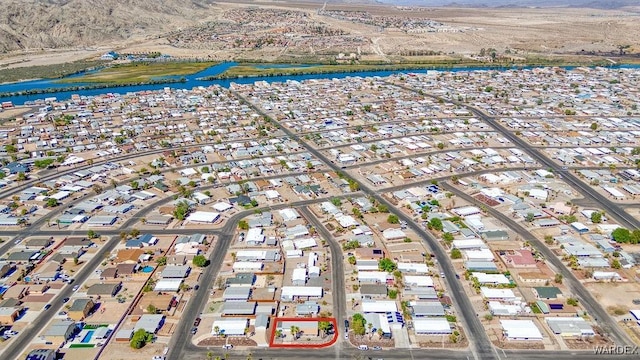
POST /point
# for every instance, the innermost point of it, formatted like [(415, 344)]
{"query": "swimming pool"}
[(87, 336), (147, 269)]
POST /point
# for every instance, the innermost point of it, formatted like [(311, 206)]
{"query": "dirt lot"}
[(587, 344), (623, 302), (123, 351)]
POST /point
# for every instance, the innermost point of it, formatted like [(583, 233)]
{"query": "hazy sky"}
[(597, 3)]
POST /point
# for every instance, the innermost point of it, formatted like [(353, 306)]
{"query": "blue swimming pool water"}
[(87, 337), (147, 269)]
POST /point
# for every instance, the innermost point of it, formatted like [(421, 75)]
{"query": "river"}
[(193, 81)]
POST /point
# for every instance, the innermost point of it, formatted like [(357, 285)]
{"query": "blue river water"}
[(194, 80)]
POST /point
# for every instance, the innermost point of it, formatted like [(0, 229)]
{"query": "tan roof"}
[(367, 253), (126, 269), (109, 273), (129, 255), (16, 291), (161, 302), (44, 298)]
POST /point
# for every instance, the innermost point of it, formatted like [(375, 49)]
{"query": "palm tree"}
[(294, 331), (216, 330)]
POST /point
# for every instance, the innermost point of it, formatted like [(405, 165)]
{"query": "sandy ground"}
[(529, 32), (626, 293)]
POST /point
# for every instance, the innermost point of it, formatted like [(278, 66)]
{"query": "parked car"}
[(46, 307), (376, 348), (363, 347), (196, 287), (65, 300), (227, 346), (76, 287), (197, 322), (194, 330)]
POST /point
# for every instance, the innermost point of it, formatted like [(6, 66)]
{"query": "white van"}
[(363, 347)]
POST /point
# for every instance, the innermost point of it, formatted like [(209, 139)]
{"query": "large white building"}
[(520, 330)]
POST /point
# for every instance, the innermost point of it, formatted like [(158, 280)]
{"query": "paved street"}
[(479, 341), (337, 271), (606, 322)]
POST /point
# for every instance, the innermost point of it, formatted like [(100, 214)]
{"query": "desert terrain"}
[(308, 31)]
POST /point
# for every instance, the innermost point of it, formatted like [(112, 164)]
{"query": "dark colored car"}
[(197, 322)]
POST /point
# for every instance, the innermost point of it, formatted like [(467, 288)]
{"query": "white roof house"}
[(538, 194), (254, 235), (346, 221), (392, 234), (466, 211), (289, 214), (247, 266), (498, 294), (521, 330), (306, 243), (431, 326), (271, 194), (479, 255), (422, 281), (222, 206), (573, 326), (373, 306), (203, 217), (497, 308), (415, 268), (230, 327), (299, 276), (606, 275), (469, 244), (168, 285), (290, 293), (490, 278), (373, 276)]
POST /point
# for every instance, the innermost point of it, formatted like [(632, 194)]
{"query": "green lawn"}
[(535, 309), (140, 72), (252, 70)]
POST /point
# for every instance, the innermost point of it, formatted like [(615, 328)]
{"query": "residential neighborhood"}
[(464, 210)]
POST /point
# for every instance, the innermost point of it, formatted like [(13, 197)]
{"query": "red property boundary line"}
[(276, 320)]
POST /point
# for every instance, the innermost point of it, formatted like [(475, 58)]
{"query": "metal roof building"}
[(520, 330), (232, 308), (428, 326), (570, 326), (427, 308), (150, 323)]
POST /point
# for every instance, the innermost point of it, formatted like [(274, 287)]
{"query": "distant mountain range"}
[(596, 4), (42, 24)]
